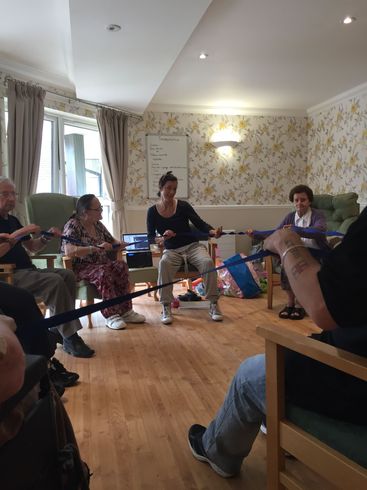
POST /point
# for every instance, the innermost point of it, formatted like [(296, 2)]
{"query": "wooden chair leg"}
[(90, 322), (41, 305), (270, 293), (155, 293)]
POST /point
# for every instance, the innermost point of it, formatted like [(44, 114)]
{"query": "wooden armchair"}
[(7, 274), (273, 279), (334, 450), (51, 209)]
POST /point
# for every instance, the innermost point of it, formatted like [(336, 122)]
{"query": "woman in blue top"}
[(170, 218)]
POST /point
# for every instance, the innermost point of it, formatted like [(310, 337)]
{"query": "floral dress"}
[(108, 275)]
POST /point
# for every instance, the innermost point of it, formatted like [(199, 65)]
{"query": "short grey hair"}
[(6, 180)]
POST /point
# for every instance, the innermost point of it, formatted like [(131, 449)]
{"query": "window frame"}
[(61, 119)]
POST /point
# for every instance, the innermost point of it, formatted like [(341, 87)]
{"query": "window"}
[(70, 156), (70, 161), (47, 172)]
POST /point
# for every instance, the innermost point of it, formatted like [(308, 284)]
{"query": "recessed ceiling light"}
[(348, 19), (113, 28), (203, 56)]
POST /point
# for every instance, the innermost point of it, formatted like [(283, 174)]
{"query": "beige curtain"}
[(113, 131), (3, 154), (25, 124)]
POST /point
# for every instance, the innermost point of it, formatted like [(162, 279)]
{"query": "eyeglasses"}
[(8, 194), (96, 209)]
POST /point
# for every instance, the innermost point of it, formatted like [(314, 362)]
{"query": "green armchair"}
[(333, 449), (340, 210), (47, 210)]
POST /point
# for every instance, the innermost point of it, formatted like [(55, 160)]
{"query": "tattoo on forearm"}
[(299, 267)]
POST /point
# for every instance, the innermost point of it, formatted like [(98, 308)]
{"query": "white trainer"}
[(133, 317), (115, 322), (263, 429), (215, 313), (166, 316)]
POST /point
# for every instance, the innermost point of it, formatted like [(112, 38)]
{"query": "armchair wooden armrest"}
[(49, 258), (282, 434), (68, 262), (327, 354), (6, 272)]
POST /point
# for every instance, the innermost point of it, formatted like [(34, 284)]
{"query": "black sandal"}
[(286, 312), (297, 313)]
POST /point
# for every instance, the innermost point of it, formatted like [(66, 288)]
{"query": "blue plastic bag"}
[(243, 277)]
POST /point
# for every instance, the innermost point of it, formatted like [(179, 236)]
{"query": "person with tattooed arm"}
[(333, 295)]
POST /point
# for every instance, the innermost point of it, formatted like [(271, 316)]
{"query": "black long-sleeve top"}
[(179, 223)]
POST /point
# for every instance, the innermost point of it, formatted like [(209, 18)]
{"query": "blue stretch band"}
[(69, 316), (265, 233), (199, 235), (74, 241)]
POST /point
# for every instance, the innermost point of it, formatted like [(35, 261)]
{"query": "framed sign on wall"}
[(164, 153)]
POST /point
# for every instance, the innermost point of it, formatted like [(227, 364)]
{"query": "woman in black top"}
[(171, 218)]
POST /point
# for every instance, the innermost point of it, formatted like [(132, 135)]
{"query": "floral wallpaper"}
[(270, 158), (337, 148), (327, 150)]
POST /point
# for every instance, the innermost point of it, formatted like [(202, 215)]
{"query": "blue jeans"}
[(229, 437)]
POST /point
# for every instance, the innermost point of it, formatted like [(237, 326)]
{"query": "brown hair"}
[(167, 177), (298, 189)]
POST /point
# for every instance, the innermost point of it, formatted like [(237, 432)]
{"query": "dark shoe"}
[(286, 312), (195, 439), (297, 314), (75, 346), (59, 374), (189, 296)]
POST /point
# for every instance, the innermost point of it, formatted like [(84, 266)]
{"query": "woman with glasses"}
[(95, 260)]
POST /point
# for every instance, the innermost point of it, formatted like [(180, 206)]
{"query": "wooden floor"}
[(146, 385)]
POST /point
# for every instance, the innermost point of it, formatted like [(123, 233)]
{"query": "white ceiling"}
[(286, 55)]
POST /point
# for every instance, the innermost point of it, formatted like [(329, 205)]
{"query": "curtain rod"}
[(83, 101)]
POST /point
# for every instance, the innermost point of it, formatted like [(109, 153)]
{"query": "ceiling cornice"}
[(354, 92), (225, 111), (28, 73)]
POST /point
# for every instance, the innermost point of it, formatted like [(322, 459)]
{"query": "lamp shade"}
[(225, 137), (231, 143)]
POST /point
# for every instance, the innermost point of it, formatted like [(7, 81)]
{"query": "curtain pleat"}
[(25, 125), (113, 131)]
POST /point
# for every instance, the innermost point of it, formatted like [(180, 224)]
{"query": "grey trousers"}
[(195, 254), (229, 437), (56, 288)]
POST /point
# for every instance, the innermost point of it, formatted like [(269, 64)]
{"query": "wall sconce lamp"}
[(225, 137), (231, 143)]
